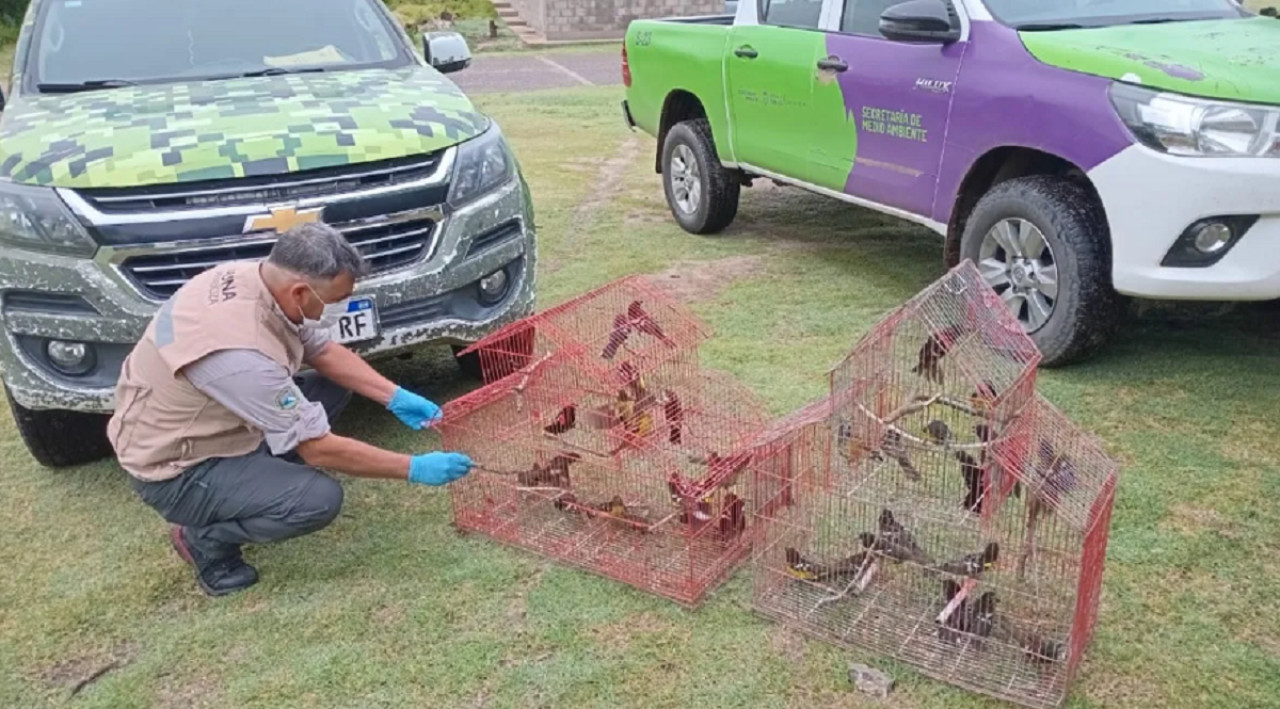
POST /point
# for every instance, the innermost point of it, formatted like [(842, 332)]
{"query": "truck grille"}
[(386, 245), (308, 184)]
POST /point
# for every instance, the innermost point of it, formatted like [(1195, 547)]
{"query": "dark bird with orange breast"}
[(929, 359)]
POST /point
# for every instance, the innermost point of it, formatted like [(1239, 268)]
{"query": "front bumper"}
[(432, 301), (1151, 198)]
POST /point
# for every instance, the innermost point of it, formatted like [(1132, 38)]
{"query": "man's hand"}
[(413, 410), (438, 468)]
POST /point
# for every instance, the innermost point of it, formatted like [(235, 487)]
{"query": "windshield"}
[(1050, 14), (112, 42)]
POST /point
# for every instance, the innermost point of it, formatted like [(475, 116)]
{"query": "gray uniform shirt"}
[(260, 391)]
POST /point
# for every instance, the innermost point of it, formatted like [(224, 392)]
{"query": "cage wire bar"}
[(611, 449), (942, 513)]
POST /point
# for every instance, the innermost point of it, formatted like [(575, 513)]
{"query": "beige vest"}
[(162, 424)]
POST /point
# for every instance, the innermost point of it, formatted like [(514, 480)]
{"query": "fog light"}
[(1212, 237), (71, 358), (493, 287)]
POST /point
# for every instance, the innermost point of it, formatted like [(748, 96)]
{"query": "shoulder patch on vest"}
[(288, 398)]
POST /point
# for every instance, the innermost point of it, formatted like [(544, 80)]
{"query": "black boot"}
[(217, 577)]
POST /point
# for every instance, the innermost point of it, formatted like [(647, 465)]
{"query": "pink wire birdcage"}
[(628, 460), (942, 514)]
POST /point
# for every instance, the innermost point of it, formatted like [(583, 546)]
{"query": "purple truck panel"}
[(1012, 100)]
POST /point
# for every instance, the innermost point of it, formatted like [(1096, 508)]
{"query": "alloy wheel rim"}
[(1016, 260)]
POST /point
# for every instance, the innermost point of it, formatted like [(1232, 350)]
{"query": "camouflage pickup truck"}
[(143, 142)]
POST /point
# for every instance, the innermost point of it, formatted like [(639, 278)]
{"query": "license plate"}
[(357, 324)]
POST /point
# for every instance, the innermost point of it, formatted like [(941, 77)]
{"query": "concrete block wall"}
[(607, 19), (533, 12)]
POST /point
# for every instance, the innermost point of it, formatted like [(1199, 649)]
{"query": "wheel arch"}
[(1006, 163), (680, 105)]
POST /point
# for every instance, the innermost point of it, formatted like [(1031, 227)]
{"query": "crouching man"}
[(223, 437)]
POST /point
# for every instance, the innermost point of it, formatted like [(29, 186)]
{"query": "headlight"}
[(484, 163), (35, 218), (1181, 125)]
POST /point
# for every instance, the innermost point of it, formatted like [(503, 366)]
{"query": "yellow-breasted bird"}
[(800, 567), (983, 398)]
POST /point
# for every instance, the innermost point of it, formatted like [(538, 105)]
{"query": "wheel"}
[(702, 194), (1041, 243), (58, 439), (502, 358)]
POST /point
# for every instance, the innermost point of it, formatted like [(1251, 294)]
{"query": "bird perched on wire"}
[(564, 421), (632, 407), (617, 336), (553, 474), (1056, 473), (733, 516), (674, 411), (896, 542), (641, 320), (695, 509), (973, 481), (939, 432), (972, 565), (929, 359), (983, 398), (893, 447), (844, 570)]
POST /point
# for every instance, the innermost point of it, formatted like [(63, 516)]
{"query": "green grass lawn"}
[(390, 607)]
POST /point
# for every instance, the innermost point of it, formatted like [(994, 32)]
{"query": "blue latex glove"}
[(438, 468), (413, 410)]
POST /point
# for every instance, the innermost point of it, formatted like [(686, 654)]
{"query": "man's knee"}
[(319, 505)]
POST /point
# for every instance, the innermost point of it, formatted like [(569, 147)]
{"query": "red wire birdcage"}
[(943, 514), (629, 460), (627, 319)]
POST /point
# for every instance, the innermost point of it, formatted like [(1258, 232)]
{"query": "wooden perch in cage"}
[(860, 581), (965, 588)]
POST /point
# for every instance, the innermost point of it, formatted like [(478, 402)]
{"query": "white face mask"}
[(328, 318)]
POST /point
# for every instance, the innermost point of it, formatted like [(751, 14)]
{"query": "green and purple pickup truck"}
[(1075, 151)]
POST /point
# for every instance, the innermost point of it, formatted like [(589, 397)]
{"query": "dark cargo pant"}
[(255, 498)]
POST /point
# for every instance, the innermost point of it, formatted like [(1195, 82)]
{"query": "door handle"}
[(746, 52), (833, 63)]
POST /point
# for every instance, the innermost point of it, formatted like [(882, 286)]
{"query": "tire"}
[(716, 203), (1086, 311), (506, 356), (60, 439)]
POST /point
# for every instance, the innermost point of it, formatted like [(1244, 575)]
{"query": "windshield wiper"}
[(1047, 26), (279, 71), (90, 85), (1159, 20)]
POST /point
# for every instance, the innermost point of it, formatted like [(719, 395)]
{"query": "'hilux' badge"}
[(282, 219)]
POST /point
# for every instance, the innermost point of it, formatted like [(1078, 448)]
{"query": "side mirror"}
[(927, 21), (446, 51)]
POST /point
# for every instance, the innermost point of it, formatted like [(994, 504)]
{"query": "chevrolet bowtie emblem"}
[(282, 219)]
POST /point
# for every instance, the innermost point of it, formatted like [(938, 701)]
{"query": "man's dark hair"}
[(317, 251)]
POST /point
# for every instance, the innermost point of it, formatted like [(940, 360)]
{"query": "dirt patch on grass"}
[(618, 636), (691, 281), (788, 643), (388, 616), (188, 692), (1190, 520), (74, 674)]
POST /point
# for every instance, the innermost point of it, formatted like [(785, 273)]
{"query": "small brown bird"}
[(553, 474), (644, 322), (895, 449), (973, 481), (675, 417), (983, 398), (939, 432), (733, 516), (929, 359), (617, 337), (972, 565), (564, 421)]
